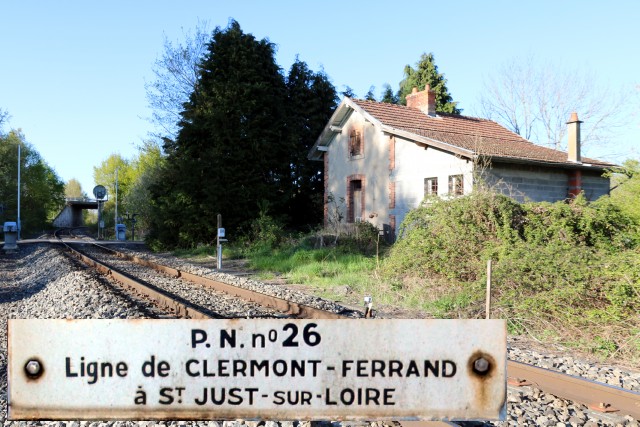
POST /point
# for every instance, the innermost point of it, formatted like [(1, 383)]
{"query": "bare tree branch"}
[(536, 100), (4, 117), (176, 75)]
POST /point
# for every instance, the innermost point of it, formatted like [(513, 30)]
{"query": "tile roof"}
[(481, 136)]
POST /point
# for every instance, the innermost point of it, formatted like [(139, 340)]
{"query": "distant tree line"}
[(42, 191)]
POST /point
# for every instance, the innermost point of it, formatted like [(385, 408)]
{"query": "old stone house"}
[(381, 160)]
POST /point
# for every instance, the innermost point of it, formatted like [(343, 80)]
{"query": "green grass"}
[(199, 252), (567, 273), (323, 269)]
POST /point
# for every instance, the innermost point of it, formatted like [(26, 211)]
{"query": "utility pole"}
[(115, 226)]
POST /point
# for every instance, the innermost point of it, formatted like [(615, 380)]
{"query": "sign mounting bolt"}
[(33, 368), (481, 365)]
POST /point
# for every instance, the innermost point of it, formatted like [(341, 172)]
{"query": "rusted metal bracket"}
[(602, 407), (517, 382)]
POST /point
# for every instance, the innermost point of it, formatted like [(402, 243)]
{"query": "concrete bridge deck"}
[(71, 215)]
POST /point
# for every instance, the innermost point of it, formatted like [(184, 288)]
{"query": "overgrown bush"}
[(363, 237), (453, 238), (570, 270)]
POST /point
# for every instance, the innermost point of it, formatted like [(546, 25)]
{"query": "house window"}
[(456, 185), (355, 143), (431, 186)]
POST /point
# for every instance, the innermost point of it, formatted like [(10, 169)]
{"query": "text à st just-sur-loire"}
[(94, 371)]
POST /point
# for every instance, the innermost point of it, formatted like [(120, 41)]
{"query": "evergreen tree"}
[(348, 92), (242, 146), (311, 101), (388, 96), (426, 73), (371, 96), (229, 154)]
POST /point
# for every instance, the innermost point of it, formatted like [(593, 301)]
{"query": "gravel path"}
[(38, 276)]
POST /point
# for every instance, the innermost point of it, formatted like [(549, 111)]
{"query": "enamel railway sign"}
[(269, 369)]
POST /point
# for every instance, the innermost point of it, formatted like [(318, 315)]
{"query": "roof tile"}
[(483, 137)]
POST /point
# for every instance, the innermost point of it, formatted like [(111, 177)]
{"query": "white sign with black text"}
[(273, 369)]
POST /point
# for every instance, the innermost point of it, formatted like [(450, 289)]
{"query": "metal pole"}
[(218, 245), (19, 223), (115, 226)]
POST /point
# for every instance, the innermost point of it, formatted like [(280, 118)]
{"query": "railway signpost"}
[(100, 193), (270, 369)]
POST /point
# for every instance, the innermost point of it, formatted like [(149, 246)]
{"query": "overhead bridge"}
[(71, 215)]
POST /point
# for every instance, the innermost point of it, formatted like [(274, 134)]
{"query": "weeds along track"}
[(189, 295)]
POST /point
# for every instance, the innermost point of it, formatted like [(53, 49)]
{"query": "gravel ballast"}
[(40, 282)]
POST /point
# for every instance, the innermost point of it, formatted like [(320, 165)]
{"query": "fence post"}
[(488, 309)]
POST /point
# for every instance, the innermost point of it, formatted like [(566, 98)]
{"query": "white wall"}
[(374, 165), (414, 163)]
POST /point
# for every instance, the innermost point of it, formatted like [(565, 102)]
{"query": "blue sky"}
[(72, 72)]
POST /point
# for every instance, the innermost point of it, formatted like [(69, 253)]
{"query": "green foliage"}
[(371, 96), (323, 268), (626, 188), (73, 189), (311, 99), (265, 232), (388, 96), (42, 192), (363, 238), (558, 268), (105, 174), (426, 73), (144, 171), (453, 237), (244, 137), (135, 178)]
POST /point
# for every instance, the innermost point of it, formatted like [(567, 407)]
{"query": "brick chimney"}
[(425, 101), (573, 129)]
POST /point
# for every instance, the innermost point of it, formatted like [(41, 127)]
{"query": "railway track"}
[(598, 397), (173, 288)]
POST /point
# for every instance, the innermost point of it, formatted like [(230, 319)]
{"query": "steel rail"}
[(597, 396), (284, 306), (163, 299)]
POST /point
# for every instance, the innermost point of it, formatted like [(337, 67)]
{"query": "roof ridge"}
[(438, 113)]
